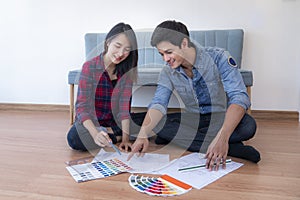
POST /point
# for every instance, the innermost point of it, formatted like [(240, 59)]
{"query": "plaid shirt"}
[(97, 98)]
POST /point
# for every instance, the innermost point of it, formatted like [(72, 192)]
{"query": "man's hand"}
[(140, 146), (216, 153)]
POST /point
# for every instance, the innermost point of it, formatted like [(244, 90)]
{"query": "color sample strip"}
[(161, 186), (95, 170), (176, 182)]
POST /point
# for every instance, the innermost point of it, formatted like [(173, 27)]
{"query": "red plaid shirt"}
[(97, 99)]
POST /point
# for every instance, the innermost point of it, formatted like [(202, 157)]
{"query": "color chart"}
[(95, 170), (161, 186)]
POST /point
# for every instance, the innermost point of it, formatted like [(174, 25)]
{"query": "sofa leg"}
[(249, 94), (71, 104)]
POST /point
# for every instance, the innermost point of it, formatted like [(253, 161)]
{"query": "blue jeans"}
[(79, 137), (195, 132)]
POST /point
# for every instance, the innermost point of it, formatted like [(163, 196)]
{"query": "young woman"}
[(104, 93)]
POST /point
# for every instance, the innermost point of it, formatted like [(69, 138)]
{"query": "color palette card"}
[(162, 186), (99, 169), (149, 163)]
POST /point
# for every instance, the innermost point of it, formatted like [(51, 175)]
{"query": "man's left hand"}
[(216, 153)]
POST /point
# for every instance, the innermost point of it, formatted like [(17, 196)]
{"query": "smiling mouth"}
[(171, 63), (118, 58)]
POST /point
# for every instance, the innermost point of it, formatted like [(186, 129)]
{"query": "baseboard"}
[(257, 114), (34, 107), (275, 115)]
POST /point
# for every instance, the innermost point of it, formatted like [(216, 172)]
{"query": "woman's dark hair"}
[(171, 31), (129, 65)]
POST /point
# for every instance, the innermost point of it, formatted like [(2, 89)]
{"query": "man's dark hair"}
[(171, 31)]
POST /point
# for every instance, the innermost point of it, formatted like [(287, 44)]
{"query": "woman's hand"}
[(102, 139), (125, 144), (99, 135)]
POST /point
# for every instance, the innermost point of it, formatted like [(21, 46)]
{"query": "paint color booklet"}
[(99, 169), (150, 163)]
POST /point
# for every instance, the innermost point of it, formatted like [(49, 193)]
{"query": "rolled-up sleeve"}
[(85, 108), (232, 81)]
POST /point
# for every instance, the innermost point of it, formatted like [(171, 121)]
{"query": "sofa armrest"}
[(247, 77), (73, 76)]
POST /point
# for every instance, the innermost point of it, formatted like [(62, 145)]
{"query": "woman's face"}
[(118, 49)]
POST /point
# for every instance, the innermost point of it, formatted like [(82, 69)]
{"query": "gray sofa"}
[(150, 62)]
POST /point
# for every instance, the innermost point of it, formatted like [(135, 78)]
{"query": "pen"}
[(115, 148), (198, 166)]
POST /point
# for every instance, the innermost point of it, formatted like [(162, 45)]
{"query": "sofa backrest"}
[(230, 39)]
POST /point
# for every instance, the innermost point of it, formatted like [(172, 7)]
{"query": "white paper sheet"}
[(196, 178)]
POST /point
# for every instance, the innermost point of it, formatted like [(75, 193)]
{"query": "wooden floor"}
[(33, 152)]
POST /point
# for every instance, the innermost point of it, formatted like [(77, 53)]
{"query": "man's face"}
[(171, 54)]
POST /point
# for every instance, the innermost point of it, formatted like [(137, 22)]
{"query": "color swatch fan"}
[(95, 170), (161, 186)]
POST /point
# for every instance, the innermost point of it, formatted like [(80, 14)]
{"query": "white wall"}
[(42, 40)]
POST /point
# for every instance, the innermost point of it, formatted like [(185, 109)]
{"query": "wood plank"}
[(33, 107), (275, 115)]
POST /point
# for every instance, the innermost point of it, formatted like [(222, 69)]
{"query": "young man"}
[(213, 92)]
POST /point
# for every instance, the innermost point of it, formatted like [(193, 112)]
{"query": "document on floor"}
[(149, 163), (200, 177)]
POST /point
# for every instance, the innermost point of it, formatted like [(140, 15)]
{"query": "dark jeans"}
[(195, 132), (79, 137)]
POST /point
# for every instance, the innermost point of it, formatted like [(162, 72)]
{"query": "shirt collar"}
[(197, 64), (102, 66), (198, 60)]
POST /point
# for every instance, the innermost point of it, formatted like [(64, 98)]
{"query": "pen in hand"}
[(115, 148), (106, 136)]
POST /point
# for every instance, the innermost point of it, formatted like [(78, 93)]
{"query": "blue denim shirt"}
[(216, 84)]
